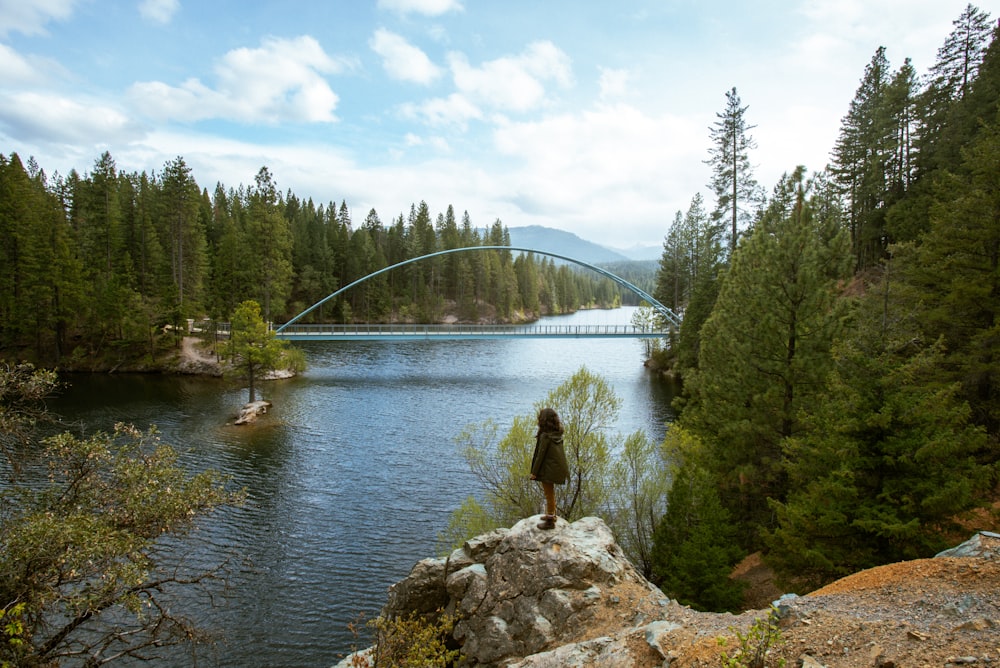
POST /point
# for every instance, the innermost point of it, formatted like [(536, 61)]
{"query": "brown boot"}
[(548, 522)]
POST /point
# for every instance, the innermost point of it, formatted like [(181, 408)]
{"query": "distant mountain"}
[(641, 253), (564, 243)]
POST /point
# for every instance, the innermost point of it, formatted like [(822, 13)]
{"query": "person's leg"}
[(550, 497)]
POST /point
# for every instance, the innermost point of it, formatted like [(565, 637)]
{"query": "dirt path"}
[(191, 351), (195, 359)]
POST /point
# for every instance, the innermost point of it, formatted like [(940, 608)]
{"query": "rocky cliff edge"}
[(525, 597)]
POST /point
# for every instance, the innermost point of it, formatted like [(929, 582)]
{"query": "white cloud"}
[(912, 27), (15, 68), (30, 16), (455, 110), (402, 60), (50, 119), (279, 81), (614, 82), (159, 11), (609, 173), (610, 164), (425, 7), (516, 83), (439, 144)]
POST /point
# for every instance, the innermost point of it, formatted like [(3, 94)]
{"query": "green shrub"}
[(763, 635), (408, 642)]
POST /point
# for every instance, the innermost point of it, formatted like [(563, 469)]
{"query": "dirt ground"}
[(930, 612), (195, 358), (933, 613)]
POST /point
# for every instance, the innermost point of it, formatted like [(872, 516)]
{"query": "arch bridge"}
[(668, 320)]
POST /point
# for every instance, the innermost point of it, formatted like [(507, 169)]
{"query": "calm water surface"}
[(355, 471)]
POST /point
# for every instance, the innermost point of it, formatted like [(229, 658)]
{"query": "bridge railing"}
[(328, 331)]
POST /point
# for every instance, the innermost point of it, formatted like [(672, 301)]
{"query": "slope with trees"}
[(842, 398)]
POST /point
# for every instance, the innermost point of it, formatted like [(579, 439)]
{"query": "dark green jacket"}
[(548, 464)]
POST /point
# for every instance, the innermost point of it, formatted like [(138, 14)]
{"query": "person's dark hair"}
[(548, 420)]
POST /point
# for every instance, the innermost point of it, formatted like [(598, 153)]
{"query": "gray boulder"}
[(522, 591), (984, 544)]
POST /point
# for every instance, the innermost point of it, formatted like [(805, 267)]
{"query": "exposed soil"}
[(929, 612), (936, 613), (194, 358)]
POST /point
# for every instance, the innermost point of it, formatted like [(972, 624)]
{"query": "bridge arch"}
[(671, 317)]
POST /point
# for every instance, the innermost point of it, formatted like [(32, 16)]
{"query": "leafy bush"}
[(756, 643), (411, 642)]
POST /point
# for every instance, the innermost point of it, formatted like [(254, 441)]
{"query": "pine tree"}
[(958, 61), (38, 268), (737, 193), (100, 244), (956, 273), (970, 106), (901, 117), (229, 270), (765, 348), (180, 203), (449, 238), (672, 274), (695, 545), (252, 346), (687, 275), (269, 247), (859, 162), (904, 218), (886, 460), (948, 119), (527, 281)]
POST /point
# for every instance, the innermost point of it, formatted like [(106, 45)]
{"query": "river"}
[(353, 473)]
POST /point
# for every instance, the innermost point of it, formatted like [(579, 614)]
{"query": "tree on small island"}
[(253, 349)]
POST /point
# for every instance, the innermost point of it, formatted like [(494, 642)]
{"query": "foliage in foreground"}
[(850, 417), (888, 457), (755, 645), (694, 546), (22, 392), (765, 348), (81, 575), (413, 641)]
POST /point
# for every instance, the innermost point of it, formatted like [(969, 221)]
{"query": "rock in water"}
[(250, 412)]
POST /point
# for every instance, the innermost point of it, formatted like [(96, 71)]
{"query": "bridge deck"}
[(402, 332)]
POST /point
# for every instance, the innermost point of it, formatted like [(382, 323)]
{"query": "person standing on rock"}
[(548, 464)]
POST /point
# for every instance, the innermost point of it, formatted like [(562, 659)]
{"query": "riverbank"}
[(185, 352)]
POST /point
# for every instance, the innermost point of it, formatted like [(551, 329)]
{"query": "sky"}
[(586, 116)]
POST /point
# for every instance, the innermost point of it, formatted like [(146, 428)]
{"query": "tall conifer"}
[(737, 193), (765, 348)]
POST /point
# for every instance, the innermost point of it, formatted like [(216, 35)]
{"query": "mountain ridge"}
[(571, 245)]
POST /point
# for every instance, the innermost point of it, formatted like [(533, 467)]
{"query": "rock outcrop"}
[(529, 598)]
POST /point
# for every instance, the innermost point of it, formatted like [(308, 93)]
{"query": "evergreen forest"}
[(100, 265), (840, 345)]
